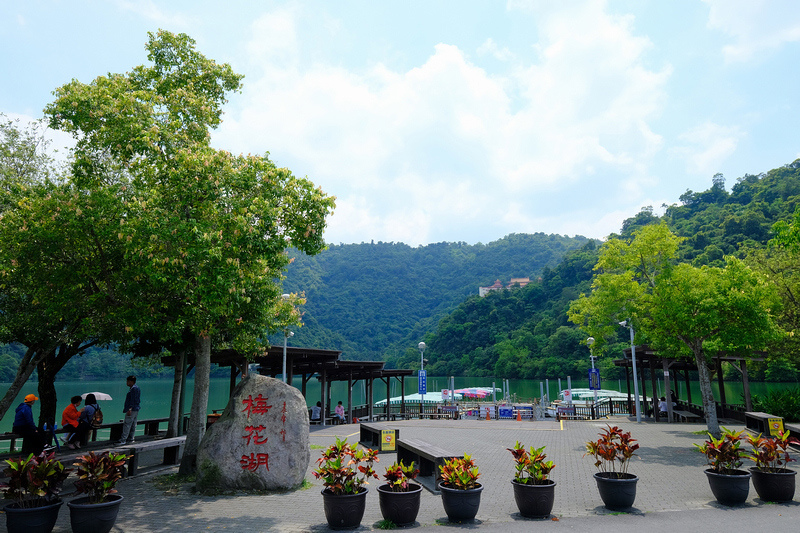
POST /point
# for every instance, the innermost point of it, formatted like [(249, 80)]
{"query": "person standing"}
[(24, 425), (69, 417), (131, 410)]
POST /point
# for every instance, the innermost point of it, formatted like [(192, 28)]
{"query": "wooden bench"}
[(370, 434), (171, 446), (758, 422), (687, 416), (427, 457)]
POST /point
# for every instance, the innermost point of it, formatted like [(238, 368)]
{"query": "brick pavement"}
[(672, 494)]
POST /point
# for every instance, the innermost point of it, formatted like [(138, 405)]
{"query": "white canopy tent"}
[(430, 397)]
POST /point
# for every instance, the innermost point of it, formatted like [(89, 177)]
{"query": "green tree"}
[(206, 232), (680, 310)]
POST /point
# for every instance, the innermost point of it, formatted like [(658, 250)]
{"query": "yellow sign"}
[(775, 426), (387, 440)]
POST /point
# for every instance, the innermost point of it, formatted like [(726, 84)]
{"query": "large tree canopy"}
[(205, 232), (677, 308)]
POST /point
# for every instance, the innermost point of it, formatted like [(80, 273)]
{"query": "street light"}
[(627, 324), (589, 343), (286, 335), (421, 347)]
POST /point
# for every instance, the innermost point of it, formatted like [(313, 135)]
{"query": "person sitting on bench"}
[(340, 412), (316, 412)]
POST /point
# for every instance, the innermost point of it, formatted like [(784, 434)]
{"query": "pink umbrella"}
[(475, 392)]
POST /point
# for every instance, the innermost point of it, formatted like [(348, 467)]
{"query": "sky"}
[(463, 120)]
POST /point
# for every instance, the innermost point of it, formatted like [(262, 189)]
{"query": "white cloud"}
[(446, 144), (491, 48), (757, 26), (706, 147), (148, 9)]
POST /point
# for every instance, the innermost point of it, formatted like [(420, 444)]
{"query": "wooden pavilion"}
[(652, 367), (325, 365)]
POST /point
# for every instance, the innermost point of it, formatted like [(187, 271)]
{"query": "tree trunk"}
[(198, 414), (32, 356), (47, 369), (173, 426), (709, 405)]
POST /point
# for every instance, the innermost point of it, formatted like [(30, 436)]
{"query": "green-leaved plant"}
[(398, 475), (34, 481), (461, 474), (724, 453), (531, 466), (340, 467)]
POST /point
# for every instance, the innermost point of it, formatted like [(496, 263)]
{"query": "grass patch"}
[(305, 485), (317, 447), (386, 524), (172, 483)]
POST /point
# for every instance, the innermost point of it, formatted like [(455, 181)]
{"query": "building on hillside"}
[(515, 282)]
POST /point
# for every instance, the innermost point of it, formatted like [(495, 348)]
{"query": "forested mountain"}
[(524, 333), (373, 300)]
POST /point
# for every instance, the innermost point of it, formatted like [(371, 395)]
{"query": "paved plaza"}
[(673, 493)]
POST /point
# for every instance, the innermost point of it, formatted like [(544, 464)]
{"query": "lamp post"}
[(422, 376), (627, 324), (589, 343), (286, 335)]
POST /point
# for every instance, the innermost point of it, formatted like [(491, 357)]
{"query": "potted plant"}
[(342, 473), (461, 492), (398, 498), (612, 453), (534, 492), (772, 481), (729, 485), (97, 476), (34, 484)]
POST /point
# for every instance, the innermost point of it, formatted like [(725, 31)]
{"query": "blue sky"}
[(461, 120)]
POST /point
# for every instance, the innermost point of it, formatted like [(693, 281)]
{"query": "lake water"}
[(156, 393)]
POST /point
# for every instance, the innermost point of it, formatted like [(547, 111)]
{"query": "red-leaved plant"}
[(771, 453), (398, 475), (340, 467), (98, 474), (612, 451), (460, 473)]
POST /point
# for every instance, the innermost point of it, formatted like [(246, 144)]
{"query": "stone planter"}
[(729, 489), (88, 517), (344, 511), (33, 520), (774, 486), (461, 505), (534, 501), (617, 493), (400, 507)]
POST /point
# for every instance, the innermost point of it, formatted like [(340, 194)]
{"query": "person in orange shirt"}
[(69, 417)]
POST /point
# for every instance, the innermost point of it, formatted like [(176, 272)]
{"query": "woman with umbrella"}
[(84, 422)]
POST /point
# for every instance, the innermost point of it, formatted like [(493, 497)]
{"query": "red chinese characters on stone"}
[(254, 461), (256, 406), (254, 433)]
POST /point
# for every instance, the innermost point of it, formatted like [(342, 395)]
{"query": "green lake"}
[(156, 393)]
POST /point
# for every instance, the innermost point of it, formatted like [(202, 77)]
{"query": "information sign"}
[(423, 382), (594, 379), (775, 426), (388, 440)]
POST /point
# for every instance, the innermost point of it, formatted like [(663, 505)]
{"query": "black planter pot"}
[(34, 520), (617, 493), (461, 505), (534, 501), (774, 486), (729, 489), (344, 511), (85, 517), (400, 507)]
